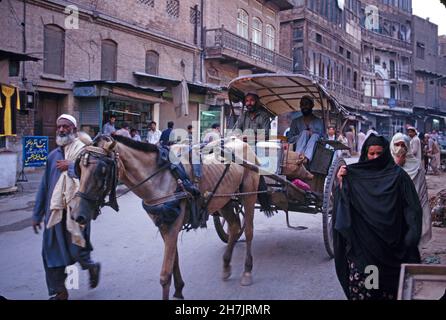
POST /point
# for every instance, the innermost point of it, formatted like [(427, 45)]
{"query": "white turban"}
[(69, 118)]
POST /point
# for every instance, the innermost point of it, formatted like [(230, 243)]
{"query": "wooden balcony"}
[(380, 39), (227, 46)]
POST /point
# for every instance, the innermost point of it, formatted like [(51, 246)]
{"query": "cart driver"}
[(255, 119), (306, 129)]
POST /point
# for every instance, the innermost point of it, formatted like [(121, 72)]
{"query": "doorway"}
[(48, 109)]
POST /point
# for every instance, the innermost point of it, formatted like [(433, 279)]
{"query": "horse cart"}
[(280, 94)]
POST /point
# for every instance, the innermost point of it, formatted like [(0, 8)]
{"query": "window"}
[(194, 15), (392, 92), (298, 60), (14, 68), (349, 55), (298, 34), (270, 35), (355, 80), (318, 38), (173, 8), (420, 50), (152, 62), (341, 50), (149, 3), (257, 31), (54, 50), (109, 59), (242, 23)]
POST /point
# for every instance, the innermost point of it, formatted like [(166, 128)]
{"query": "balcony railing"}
[(392, 74), (400, 103), (336, 88), (224, 39), (380, 38)]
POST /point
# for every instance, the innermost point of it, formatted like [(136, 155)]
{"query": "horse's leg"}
[(234, 229), (248, 204), (170, 237), (177, 279)]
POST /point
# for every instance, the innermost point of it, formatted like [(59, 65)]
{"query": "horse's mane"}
[(141, 146)]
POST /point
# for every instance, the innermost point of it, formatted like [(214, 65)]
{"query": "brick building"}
[(430, 77), (364, 53), (324, 39), (129, 57)]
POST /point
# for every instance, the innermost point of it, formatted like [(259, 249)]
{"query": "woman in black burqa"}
[(378, 220)]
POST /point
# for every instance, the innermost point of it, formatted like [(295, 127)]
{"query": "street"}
[(288, 264)]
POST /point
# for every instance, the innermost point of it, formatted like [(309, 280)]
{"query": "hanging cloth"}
[(9, 103)]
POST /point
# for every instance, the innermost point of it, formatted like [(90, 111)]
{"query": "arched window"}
[(54, 50), (270, 35), (257, 31), (109, 60), (242, 23), (152, 62)]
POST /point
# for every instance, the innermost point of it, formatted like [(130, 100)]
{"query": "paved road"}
[(288, 264)]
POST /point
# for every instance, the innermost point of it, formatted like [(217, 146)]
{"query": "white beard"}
[(62, 141)]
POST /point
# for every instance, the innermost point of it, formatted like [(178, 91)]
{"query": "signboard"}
[(89, 91), (392, 103), (35, 151)]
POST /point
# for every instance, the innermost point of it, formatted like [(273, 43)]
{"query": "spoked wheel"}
[(331, 182), (443, 165), (222, 226)]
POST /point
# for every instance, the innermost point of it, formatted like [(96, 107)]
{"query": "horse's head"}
[(96, 167)]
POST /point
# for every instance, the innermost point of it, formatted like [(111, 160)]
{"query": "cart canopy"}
[(281, 93)]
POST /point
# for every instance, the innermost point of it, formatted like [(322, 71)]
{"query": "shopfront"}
[(98, 100)]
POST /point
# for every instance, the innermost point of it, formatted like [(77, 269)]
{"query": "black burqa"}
[(377, 218)]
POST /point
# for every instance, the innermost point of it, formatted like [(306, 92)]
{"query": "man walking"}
[(64, 242)]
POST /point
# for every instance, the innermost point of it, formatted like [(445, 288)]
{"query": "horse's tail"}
[(265, 198)]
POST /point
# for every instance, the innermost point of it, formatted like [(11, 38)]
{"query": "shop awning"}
[(194, 87), (398, 109), (16, 56), (99, 88), (382, 115)]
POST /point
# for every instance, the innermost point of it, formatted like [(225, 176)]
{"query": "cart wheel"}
[(221, 226), (327, 206), (443, 165)]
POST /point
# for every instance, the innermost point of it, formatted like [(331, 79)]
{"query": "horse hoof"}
[(226, 274), (246, 279), (177, 296)]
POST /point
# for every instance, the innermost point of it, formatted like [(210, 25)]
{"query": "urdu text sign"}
[(35, 151)]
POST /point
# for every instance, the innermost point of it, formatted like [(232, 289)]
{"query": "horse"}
[(136, 164)]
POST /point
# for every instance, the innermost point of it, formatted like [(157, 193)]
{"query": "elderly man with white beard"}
[(64, 241)]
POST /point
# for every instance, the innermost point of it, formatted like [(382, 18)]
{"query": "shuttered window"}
[(54, 50), (152, 62), (257, 31), (242, 23), (109, 59)]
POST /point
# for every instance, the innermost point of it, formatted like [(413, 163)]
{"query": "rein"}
[(164, 166)]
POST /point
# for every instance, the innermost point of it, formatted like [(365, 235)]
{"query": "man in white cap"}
[(415, 143), (64, 242)]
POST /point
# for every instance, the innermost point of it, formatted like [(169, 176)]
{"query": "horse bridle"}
[(110, 183), (110, 158)]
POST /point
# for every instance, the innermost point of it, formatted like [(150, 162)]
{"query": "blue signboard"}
[(392, 103), (35, 151)]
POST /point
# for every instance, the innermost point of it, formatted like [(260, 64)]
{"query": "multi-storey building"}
[(387, 75), (324, 39), (430, 77), (129, 58), (361, 51)]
